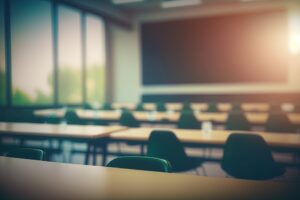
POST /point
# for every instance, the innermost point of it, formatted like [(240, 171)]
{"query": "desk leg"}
[(104, 152), (94, 154), (87, 154)]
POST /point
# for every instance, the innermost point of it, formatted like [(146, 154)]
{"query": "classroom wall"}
[(127, 58), (125, 63)]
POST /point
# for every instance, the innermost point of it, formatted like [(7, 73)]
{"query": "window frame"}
[(83, 11)]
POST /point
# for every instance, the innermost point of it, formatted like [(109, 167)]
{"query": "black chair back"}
[(127, 119), (248, 156), (141, 163), (165, 145), (188, 120), (279, 122), (237, 121), (26, 153), (72, 118)]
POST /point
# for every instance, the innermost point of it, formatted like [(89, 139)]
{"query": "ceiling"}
[(155, 5)]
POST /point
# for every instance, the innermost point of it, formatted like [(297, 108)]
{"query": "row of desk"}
[(100, 136), (29, 179), (255, 118), (223, 107)]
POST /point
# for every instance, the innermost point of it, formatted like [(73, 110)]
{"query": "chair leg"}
[(119, 147), (142, 150), (204, 171)]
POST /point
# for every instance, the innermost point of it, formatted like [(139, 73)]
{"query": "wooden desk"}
[(256, 118), (50, 112), (223, 107), (29, 179), (217, 138), (92, 135)]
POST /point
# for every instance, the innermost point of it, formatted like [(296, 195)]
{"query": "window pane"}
[(95, 59), (70, 61), (2, 55), (32, 60)]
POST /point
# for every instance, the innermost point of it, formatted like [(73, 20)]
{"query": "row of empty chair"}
[(246, 156), (277, 121), (208, 107)]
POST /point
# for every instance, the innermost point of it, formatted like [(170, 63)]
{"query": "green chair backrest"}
[(186, 106), (236, 107), (106, 106), (188, 120), (212, 107), (72, 118), (127, 119), (26, 153), (87, 106), (140, 107), (141, 163), (165, 145), (248, 156), (161, 107), (279, 122), (237, 121)]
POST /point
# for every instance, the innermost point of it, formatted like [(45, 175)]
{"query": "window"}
[(95, 59), (32, 56), (2, 56), (70, 56), (78, 46)]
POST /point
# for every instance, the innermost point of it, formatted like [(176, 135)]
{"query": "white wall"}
[(127, 58), (125, 63)]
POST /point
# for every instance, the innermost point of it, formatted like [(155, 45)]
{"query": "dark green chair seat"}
[(141, 163), (165, 145), (26, 153), (247, 156), (187, 120)]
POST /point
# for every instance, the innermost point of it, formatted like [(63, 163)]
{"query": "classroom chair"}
[(161, 107), (212, 107), (128, 119), (141, 163), (26, 153), (72, 118), (279, 122), (247, 156), (237, 121), (187, 120), (140, 107), (186, 107), (106, 106), (165, 145)]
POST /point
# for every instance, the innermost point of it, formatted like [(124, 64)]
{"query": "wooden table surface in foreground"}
[(216, 137), (28, 179)]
